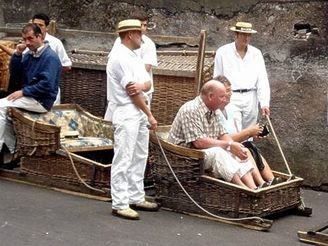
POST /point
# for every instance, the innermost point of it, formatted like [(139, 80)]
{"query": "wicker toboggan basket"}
[(4, 65), (40, 146), (86, 83), (216, 196), (177, 79)]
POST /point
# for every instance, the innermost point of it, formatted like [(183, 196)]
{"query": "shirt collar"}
[(235, 49), (203, 108), (39, 50)]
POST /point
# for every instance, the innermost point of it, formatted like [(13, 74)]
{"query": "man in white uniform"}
[(147, 51), (244, 66), (128, 109), (42, 20)]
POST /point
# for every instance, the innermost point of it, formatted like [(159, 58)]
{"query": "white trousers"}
[(6, 129), (225, 165), (57, 101), (131, 138), (245, 107)]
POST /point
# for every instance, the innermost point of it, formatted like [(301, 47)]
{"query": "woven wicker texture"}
[(37, 143), (35, 137), (216, 196), (59, 169), (4, 65), (174, 82)]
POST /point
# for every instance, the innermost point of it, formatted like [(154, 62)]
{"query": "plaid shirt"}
[(194, 121)]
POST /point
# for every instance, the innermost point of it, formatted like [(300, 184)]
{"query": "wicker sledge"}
[(64, 148), (214, 195)]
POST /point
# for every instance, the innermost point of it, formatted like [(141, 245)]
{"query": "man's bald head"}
[(211, 86)]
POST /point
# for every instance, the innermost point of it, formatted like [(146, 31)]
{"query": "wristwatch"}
[(229, 146)]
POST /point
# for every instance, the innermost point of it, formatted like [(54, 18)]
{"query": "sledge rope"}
[(280, 149), (187, 194), (77, 173), (34, 137)]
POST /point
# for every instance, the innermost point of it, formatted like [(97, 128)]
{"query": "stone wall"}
[(297, 68)]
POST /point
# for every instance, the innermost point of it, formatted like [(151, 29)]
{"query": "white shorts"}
[(225, 165)]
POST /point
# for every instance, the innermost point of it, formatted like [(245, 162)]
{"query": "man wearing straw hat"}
[(244, 66), (147, 51), (128, 109)]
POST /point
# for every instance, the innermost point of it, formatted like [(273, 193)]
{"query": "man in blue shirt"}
[(39, 72)]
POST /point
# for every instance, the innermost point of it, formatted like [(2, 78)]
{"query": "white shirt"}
[(246, 73), (147, 53), (57, 46), (124, 66)]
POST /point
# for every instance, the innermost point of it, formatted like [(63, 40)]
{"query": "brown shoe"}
[(126, 213), (145, 206)]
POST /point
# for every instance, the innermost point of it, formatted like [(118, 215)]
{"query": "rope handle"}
[(77, 173), (189, 196), (280, 149)]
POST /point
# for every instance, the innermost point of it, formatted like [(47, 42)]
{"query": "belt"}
[(242, 90)]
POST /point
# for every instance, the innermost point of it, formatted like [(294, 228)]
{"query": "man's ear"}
[(210, 96)]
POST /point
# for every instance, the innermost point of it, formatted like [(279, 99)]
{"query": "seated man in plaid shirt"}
[(197, 126)]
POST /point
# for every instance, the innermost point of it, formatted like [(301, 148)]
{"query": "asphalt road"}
[(34, 216)]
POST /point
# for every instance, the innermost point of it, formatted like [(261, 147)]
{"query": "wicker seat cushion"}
[(68, 120), (83, 142)]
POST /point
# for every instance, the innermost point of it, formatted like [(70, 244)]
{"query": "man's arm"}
[(225, 142), (218, 66), (148, 67), (138, 100), (136, 88), (252, 131), (45, 80), (263, 87)]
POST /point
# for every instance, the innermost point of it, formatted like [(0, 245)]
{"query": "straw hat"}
[(129, 25), (243, 27)]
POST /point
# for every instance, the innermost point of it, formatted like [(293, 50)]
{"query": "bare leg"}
[(255, 172), (249, 181), (266, 172), (236, 180)]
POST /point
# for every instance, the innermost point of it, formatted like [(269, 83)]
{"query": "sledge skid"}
[(317, 235)]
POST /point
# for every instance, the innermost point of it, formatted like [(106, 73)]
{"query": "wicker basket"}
[(4, 65), (177, 79), (44, 156), (59, 169), (175, 82), (85, 84), (38, 138), (216, 196)]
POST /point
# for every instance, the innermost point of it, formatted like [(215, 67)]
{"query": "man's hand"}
[(134, 88), (265, 111), (239, 150), (152, 122), (15, 95), (255, 130), (20, 48)]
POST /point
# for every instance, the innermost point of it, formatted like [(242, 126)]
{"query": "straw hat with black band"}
[(243, 27), (128, 25)]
